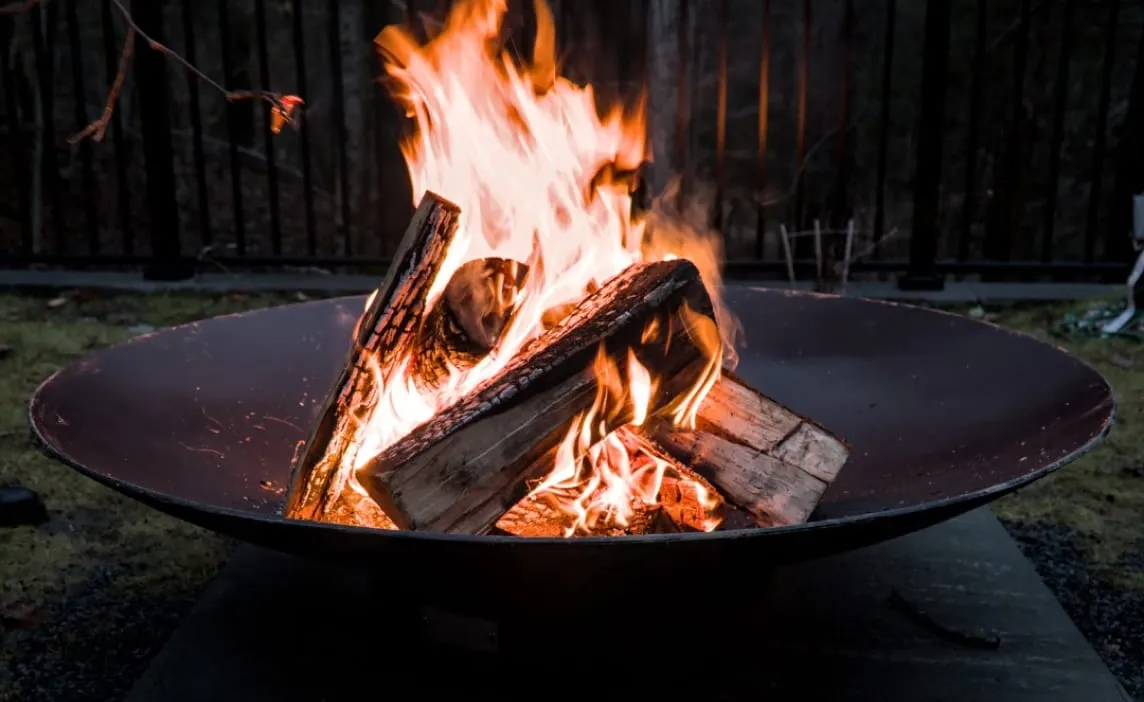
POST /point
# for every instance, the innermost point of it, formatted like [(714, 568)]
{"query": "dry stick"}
[(282, 105), (97, 129), (787, 253), (846, 253), (818, 251), (276, 99)]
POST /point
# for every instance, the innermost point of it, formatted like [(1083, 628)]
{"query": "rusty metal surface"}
[(943, 413)]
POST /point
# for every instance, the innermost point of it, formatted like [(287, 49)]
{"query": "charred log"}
[(469, 465), (384, 333), (467, 321), (685, 501), (540, 517)]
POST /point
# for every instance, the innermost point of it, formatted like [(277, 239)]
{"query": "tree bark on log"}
[(537, 517), (384, 332), (461, 471), (467, 321), (685, 501), (759, 455)]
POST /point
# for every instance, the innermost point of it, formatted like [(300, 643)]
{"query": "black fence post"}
[(922, 273), (167, 262)]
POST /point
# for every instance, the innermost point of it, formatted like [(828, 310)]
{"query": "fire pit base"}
[(828, 630)]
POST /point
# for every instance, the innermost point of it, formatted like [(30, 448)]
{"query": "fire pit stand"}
[(951, 613)]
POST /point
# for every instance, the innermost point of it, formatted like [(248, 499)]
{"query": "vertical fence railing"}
[(206, 236), (63, 210), (90, 223), (924, 237), (973, 132), (883, 159), (167, 262), (764, 108), (1098, 150)]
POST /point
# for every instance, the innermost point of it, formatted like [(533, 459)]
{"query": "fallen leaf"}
[(1121, 362), (57, 302), (301, 296)]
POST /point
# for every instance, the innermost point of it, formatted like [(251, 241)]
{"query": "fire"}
[(528, 157)]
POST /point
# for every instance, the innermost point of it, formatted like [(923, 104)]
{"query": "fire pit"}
[(541, 395), (941, 413)]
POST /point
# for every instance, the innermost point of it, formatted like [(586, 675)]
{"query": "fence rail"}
[(1005, 138)]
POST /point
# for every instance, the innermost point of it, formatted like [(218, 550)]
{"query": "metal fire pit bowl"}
[(942, 413)]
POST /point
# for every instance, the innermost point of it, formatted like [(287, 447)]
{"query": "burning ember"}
[(533, 335)]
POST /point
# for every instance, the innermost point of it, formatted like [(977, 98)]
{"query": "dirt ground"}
[(87, 598)]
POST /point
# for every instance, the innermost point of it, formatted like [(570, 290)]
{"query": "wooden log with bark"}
[(467, 466), (760, 455), (384, 333), (539, 517), (687, 500), (684, 501), (467, 321)]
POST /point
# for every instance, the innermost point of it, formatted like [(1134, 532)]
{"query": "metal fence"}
[(965, 137)]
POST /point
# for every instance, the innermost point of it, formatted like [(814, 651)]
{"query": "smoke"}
[(679, 224)]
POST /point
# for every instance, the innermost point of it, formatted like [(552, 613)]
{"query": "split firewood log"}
[(468, 465), (384, 333)]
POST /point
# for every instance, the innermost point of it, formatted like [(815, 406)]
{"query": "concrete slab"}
[(343, 284), (274, 627)]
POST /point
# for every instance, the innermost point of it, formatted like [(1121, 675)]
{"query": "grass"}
[(118, 553), (1102, 494), (99, 550), (90, 525)]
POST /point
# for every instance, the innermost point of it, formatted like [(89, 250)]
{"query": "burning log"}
[(468, 465), (467, 321), (384, 332), (685, 501), (760, 455), (688, 502), (537, 517)]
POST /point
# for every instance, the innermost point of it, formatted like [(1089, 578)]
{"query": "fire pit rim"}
[(958, 503), (950, 506)]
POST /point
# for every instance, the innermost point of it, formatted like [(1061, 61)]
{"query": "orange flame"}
[(525, 154)]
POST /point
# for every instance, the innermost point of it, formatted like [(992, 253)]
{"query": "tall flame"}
[(526, 155)]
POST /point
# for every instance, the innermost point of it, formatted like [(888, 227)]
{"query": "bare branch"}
[(282, 106), (98, 128), (277, 100)]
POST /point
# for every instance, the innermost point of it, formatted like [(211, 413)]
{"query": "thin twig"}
[(818, 263), (283, 106), (275, 99), (787, 253), (889, 236), (847, 251), (97, 129)]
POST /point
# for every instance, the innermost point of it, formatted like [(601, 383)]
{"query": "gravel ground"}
[(93, 645), (1110, 615)]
